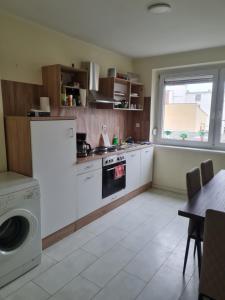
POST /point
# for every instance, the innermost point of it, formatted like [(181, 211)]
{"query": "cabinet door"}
[(89, 192), (146, 165), (133, 161), (54, 161)]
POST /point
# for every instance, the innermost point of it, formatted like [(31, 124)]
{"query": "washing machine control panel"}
[(11, 200)]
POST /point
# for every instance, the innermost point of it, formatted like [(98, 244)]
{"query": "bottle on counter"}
[(115, 140)]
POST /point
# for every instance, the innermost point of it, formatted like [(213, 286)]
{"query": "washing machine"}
[(20, 230)]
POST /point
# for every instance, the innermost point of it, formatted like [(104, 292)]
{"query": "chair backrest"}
[(212, 278), (193, 182), (207, 171)]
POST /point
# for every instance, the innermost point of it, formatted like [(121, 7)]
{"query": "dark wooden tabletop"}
[(211, 196)]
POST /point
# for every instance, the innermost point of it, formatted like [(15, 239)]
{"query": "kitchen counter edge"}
[(81, 160)]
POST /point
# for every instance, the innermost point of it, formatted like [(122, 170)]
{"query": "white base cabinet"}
[(146, 165), (89, 192), (133, 170), (139, 165)]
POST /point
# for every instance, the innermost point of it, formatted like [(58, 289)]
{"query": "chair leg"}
[(200, 297), (186, 254), (195, 247), (199, 252)]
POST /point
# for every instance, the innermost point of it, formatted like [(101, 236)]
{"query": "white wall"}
[(171, 164), (25, 47)]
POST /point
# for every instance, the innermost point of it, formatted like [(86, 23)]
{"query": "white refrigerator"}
[(54, 165)]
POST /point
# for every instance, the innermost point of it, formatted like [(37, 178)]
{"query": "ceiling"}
[(126, 26)]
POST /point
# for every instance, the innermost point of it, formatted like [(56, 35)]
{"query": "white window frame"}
[(219, 110), (210, 144)]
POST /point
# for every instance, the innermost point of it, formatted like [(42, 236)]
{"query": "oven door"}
[(110, 185)]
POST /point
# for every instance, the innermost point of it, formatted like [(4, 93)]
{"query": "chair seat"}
[(196, 230)]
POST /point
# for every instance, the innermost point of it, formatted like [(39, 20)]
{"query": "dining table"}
[(211, 196)]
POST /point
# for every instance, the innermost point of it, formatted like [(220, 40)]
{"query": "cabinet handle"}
[(89, 177), (88, 167), (133, 155), (71, 132), (146, 151), (114, 168)]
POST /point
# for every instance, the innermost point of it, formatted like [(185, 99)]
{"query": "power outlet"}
[(137, 125)]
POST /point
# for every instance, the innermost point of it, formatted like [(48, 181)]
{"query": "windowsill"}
[(184, 148)]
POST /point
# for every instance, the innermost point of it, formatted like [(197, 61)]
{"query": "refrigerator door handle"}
[(71, 132)]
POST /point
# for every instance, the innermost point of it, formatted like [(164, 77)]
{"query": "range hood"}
[(93, 85)]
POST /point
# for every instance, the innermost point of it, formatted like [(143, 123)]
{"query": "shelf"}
[(70, 87), (136, 83), (130, 109), (68, 107)]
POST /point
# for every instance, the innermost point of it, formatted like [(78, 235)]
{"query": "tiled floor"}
[(134, 252)]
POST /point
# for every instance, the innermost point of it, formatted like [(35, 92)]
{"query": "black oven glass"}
[(110, 185)]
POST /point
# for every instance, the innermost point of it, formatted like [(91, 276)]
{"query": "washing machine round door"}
[(17, 228)]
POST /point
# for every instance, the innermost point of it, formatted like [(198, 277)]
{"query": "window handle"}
[(155, 131)]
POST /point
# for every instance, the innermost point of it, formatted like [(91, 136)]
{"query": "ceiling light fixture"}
[(159, 8)]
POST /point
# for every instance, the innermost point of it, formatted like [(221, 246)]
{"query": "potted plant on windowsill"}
[(167, 133), (183, 135), (201, 133)]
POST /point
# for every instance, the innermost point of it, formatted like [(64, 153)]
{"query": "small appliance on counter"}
[(83, 148), (38, 113), (44, 110)]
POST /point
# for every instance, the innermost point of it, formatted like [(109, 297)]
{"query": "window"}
[(191, 108)]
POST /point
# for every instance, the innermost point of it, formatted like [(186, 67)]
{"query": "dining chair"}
[(195, 227), (207, 171), (212, 276)]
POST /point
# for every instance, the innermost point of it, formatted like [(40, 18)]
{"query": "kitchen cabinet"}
[(58, 79), (89, 188), (133, 160), (146, 165), (128, 95), (89, 166)]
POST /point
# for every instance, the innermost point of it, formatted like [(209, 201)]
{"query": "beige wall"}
[(25, 47), (184, 117), (170, 164), (144, 66)]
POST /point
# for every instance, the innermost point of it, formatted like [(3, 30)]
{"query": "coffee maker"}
[(83, 148)]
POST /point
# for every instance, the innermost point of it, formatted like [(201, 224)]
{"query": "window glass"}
[(186, 111)]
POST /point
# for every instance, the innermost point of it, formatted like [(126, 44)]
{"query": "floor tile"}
[(63, 272), (66, 246), (131, 221), (104, 241), (29, 291), (172, 234), (145, 232), (129, 253), (78, 289), (166, 284), (46, 263), (122, 287), (176, 259), (191, 291), (108, 265), (148, 261)]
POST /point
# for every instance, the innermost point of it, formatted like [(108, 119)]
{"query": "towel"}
[(119, 171)]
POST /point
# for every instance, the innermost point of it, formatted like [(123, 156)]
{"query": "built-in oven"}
[(113, 177)]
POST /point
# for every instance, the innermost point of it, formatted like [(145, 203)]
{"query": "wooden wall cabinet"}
[(129, 95), (58, 79)]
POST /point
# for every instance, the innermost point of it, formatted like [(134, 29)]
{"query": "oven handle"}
[(114, 168)]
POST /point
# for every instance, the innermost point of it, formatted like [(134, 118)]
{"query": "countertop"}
[(81, 160)]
